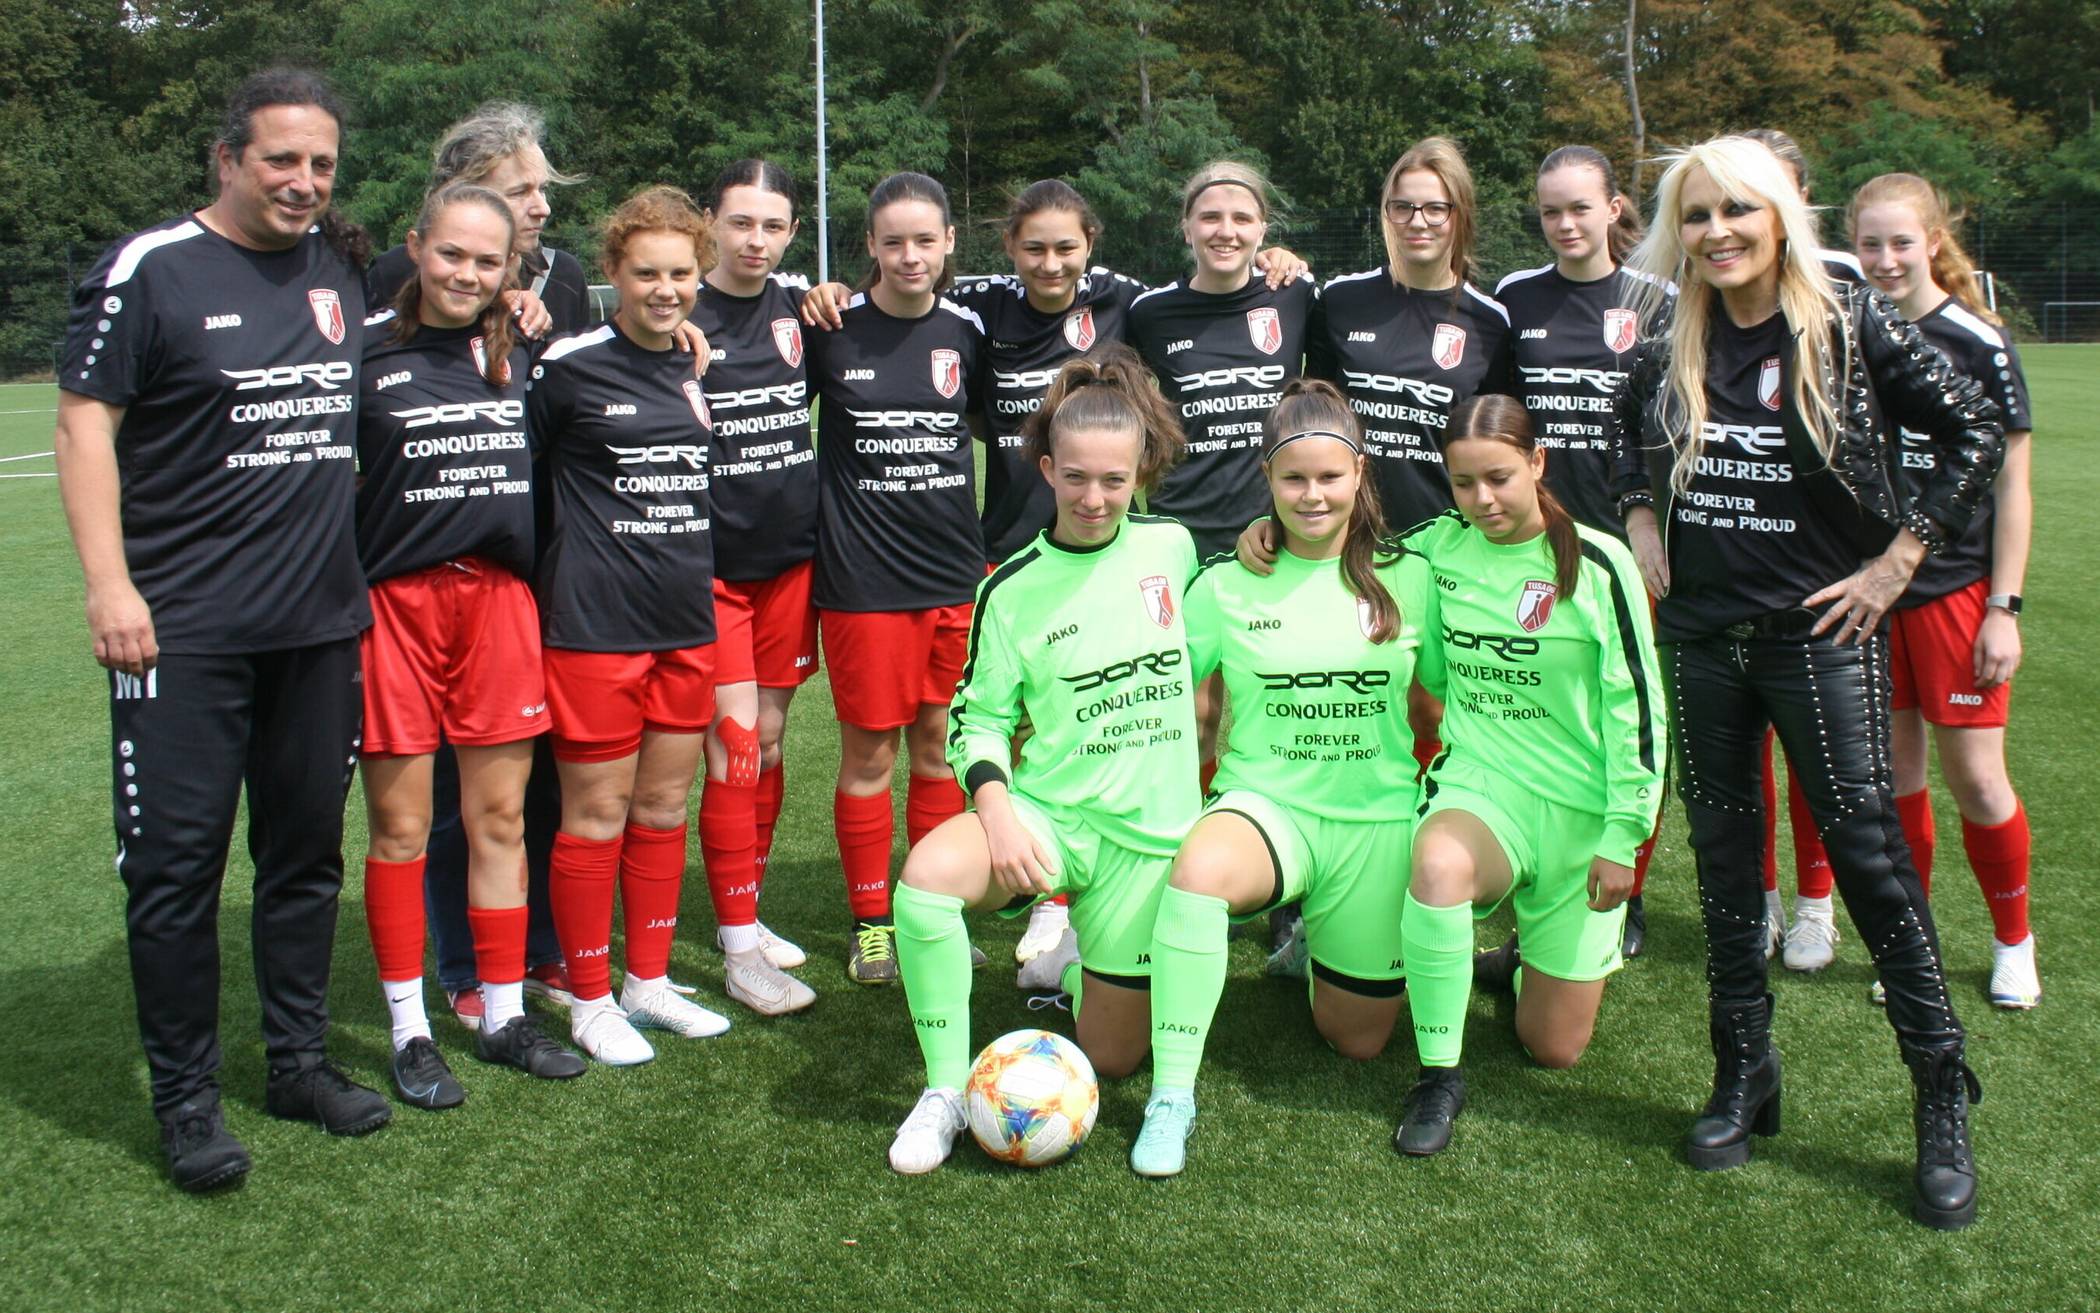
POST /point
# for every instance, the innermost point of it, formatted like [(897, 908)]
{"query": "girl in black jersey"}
[(1954, 638), (765, 509), (1754, 434), (444, 528), (626, 595), (899, 547)]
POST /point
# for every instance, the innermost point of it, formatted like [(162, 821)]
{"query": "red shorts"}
[(1932, 662), (885, 665), (453, 651), (766, 630), (603, 701)]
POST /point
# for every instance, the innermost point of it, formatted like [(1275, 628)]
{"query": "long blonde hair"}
[(1747, 173), (1442, 157), (1952, 268)]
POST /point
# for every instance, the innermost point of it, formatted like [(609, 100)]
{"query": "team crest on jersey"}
[(699, 400), (328, 313), (1619, 331), (1448, 347), (1266, 329), (1159, 599), (1535, 604), (1768, 383), (479, 347), (947, 371), (787, 340), (1079, 328)]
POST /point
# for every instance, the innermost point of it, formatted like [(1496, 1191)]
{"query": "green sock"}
[(933, 956), (1438, 945), (1188, 976), (1073, 982)]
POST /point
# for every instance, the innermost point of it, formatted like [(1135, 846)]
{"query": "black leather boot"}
[(1635, 939), (1746, 1084), (1946, 1178)]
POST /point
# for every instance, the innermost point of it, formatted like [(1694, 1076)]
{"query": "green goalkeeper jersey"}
[(1319, 711), (1560, 696), (1090, 647)]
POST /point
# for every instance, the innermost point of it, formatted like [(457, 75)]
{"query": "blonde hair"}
[(1442, 157), (1748, 173), (1952, 268), (1233, 174)]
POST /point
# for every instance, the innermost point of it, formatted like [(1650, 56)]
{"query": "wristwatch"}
[(2006, 602)]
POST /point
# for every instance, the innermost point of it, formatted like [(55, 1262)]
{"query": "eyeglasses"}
[(1435, 214)]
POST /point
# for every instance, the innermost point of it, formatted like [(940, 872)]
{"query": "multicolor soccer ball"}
[(1031, 1098)]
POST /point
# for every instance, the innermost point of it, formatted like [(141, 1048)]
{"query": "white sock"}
[(740, 938), (404, 1003), (645, 984), (499, 1003), (1817, 907)]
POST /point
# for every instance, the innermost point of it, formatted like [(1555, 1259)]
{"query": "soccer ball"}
[(1031, 1098)]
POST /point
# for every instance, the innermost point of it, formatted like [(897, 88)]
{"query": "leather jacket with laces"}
[(1891, 376)]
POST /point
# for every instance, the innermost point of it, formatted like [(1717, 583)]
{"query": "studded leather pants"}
[(1830, 707)]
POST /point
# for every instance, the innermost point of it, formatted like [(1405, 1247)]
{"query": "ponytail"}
[(1496, 418), (498, 334), (1315, 405), (1626, 232), (1107, 389)]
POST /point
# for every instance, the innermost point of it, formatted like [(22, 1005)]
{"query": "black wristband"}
[(980, 774)]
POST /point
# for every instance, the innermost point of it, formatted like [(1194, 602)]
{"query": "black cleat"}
[(1495, 969), (322, 1093), (202, 1153), (522, 1044), (1432, 1105), (1635, 938), (422, 1079)]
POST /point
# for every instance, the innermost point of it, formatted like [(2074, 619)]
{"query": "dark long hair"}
[(1052, 194), (909, 186), (1110, 389), (498, 335), (1626, 233), (1312, 403), (292, 86), (1497, 418), (762, 174)]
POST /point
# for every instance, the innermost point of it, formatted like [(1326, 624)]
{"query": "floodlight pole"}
[(823, 192)]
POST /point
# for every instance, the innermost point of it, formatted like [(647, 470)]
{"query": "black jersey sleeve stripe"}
[(1630, 647), (977, 613)]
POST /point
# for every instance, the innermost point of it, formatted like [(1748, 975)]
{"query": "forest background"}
[(107, 109)]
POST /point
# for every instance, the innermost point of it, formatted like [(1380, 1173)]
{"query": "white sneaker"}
[(1045, 972), (1775, 922), (603, 1031), (664, 1008), (764, 988), (1047, 922), (927, 1137), (778, 951), (1811, 941), (2015, 982)]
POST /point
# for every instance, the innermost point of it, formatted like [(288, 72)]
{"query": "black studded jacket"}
[(1890, 372)]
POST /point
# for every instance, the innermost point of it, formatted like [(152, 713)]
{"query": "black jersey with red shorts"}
[(1404, 358), (235, 455), (629, 565), (1222, 359), (1573, 343), (765, 471), (897, 526), (1023, 349)]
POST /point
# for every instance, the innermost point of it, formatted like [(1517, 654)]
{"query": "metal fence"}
[(2044, 261)]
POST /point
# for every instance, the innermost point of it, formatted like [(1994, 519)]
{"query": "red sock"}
[(929, 800), (581, 874), (1998, 855), (394, 915), (1642, 857), (772, 786), (728, 844), (865, 831), (1914, 814), (1205, 775), (1770, 786), (1811, 862), (499, 943), (1425, 753), (652, 871)]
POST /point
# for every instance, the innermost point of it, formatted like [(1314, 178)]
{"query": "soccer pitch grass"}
[(747, 1172)]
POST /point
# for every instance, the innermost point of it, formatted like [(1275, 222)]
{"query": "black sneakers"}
[(422, 1079), (1495, 969), (1432, 1105), (322, 1093), (202, 1155), (522, 1044), (1634, 941)]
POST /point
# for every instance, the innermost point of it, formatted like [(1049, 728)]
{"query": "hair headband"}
[(1226, 181), (1342, 438)]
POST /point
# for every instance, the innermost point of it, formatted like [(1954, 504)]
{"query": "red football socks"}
[(928, 801), (865, 829), (394, 915), (729, 846), (499, 943), (652, 871), (1998, 855), (772, 787), (1811, 863), (581, 874)]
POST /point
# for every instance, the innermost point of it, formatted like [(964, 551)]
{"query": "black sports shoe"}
[(1432, 1105), (1496, 968), (422, 1079), (322, 1093), (202, 1154), (522, 1044), (1635, 939)]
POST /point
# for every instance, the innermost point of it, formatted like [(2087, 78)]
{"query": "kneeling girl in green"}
[(1314, 800), (1552, 771), (1080, 634)]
